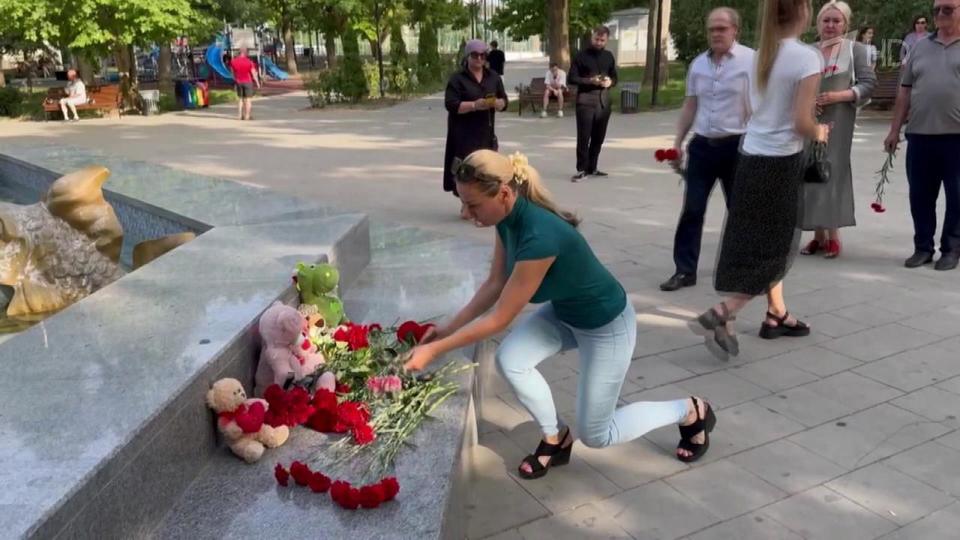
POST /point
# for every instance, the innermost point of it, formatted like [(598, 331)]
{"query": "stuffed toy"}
[(317, 283), (241, 420), (287, 351)]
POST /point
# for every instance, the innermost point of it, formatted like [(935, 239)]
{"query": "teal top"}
[(583, 292)]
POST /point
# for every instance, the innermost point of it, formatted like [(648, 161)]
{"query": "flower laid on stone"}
[(362, 392), (341, 492), (883, 178)]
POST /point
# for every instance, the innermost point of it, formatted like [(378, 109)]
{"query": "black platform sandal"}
[(769, 331), (716, 322), (556, 452), (687, 433)]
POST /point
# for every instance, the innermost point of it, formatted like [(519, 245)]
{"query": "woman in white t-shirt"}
[(761, 233)]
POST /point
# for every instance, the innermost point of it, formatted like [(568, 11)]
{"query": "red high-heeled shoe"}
[(811, 248), (833, 250)]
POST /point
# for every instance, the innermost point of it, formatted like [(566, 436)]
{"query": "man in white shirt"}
[(76, 95), (717, 108), (556, 84)]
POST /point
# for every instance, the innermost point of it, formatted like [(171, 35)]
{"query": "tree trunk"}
[(287, 27), (163, 69), (652, 43), (558, 31), (330, 44), (84, 67), (3, 79)]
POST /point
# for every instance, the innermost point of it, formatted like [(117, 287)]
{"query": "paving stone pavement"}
[(850, 433)]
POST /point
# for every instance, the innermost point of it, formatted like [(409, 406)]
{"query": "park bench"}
[(885, 93), (104, 98), (532, 95)]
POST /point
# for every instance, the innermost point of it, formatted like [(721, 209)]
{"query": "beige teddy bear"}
[(241, 420)]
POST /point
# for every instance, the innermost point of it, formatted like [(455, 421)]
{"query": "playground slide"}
[(215, 60), (272, 69)]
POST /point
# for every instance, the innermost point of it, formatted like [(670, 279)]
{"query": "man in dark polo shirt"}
[(594, 71), (496, 59), (930, 97)]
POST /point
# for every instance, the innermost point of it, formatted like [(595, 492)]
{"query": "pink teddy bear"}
[(286, 348)]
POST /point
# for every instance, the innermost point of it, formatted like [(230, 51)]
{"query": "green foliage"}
[(11, 101), (429, 66), (892, 19), (525, 18), (353, 82), (400, 78)]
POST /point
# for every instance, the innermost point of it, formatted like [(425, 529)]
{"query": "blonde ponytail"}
[(490, 170), (777, 16)]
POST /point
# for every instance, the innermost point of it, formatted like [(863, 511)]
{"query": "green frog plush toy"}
[(317, 283)]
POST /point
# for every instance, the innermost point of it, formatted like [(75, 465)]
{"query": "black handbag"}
[(816, 167)]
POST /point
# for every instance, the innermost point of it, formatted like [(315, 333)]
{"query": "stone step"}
[(412, 275)]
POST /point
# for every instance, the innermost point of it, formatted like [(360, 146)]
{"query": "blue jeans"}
[(933, 160), (605, 355), (708, 160)]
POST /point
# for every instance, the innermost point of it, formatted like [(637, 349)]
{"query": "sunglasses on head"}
[(944, 10), (478, 55), (465, 172)]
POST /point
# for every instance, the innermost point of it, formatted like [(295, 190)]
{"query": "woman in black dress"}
[(473, 96)]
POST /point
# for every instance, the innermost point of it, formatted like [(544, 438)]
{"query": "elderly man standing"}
[(717, 107), (929, 97)]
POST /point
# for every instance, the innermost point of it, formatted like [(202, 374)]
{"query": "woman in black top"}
[(473, 96)]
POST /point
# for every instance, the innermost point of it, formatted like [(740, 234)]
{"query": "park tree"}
[(92, 29), (430, 16)]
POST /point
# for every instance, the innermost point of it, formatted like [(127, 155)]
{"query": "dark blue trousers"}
[(933, 160), (707, 161)]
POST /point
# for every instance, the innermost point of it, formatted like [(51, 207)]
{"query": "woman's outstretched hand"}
[(420, 357)]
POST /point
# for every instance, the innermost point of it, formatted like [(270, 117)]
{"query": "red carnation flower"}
[(339, 490), (390, 488), (281, 474), (301, 473), (671, 154), (412, 331), (375, 326), (350, 414), (363, 434), (371, 496), (878, 207), (342, 388), (660, 155), (305, 345), (319, 483), (354, 335)]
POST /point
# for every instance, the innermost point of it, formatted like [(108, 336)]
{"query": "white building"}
[(628, 37)]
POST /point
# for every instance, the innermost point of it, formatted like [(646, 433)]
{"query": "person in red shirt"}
[(245, 74)]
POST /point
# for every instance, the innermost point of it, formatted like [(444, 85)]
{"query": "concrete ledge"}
[(105, 424)]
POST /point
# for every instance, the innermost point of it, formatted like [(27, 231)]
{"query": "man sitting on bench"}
[(76, 95), (555, 84)]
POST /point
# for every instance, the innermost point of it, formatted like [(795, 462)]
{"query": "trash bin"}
[(151, 101), (630, 97)]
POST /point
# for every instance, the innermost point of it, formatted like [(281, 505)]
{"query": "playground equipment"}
[(272, 69), (214, 58)]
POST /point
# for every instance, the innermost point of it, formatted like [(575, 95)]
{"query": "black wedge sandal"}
[(687, 433), (769, 331), (556, 452)]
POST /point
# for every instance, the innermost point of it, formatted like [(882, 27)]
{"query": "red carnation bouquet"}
[(671, 155), (883, 178)]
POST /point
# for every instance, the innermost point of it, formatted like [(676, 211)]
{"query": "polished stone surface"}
[(412, 274), (87, 393)]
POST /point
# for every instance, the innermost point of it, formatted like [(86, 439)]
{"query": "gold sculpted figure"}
[(61, 249)]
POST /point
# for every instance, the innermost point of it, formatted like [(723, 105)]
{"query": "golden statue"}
[(63, 248)]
